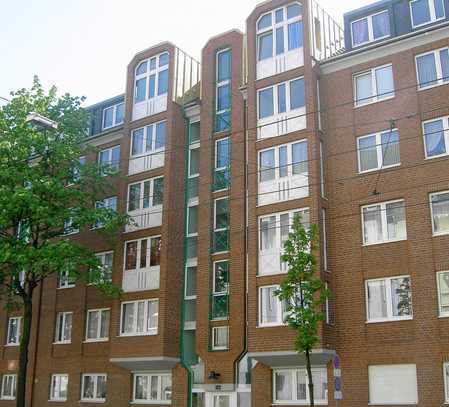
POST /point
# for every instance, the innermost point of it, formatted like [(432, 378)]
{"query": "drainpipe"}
[(36, 342)]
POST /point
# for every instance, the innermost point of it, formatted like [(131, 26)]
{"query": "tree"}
[(46, 189), (302, 292)]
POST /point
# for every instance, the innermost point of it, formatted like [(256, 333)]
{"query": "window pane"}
[(401, 297), (372, 224), (267, 165), (193, 220), (294, 10), (360, 31), (131, 256), (301, 378), (364, 90), (268, 233), (221, 213), (221, 277), (266, 107), (420, 12), (152, 64), (284, 389), (140, 89), (439, 8), (264, 22), (443, 280), (283, 161), (284, 227), (299, 158), (396, 220), (390, 148), (153, 387), (141, 387), (269, 306), (108, 113), (440, 213), (279, 40), (88, 387), (381, 25), (155, 254), (368, 153), (162, 86), (104, 328), (153, 314), (444, 58), (146, 194), (295, 35), (377, 300), (427, 70), (222, 153), (67, 333), (224, 66), (190, 281), (223, 97), (92, 325), (134, 197), (158, 191), (166, 387), (297, 97), (151, 86), (279, 15), (434, 138), (142, 68), (265, 46), (319, 385), (163, 59), (119, 114), (161, 129), (101, 387), (384, 81)]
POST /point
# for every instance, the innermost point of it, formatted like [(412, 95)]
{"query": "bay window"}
[(93, 387), (436, 137), (220, 290), (109, 160), (280, 40), (426, 11), (223, 90), (63, 333), (58, 387), (384, 222), (433, 68), (152, 388), (443, 293), (388, 299), (113, 115), (374, 85), (14, 331), (290, 386), (439, 207), (9, 383), (97, 325), (139, 318), (273, 232), (370, 28), (378, 151)]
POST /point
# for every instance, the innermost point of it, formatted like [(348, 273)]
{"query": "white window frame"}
[(390, 317), (216, 229), (187, 267), (58, 376), (114, 116), (64, 280), (139, 252), (214, 333), (383, 212), (111, 166), (151, 206), (432, 11), (446, 382), (102, 257), (159, 399), (441, 313), (96, 376), (98, 338), (59, 331), (324, 233), (6, 377), (369, 19), (153, 150), (104, 203), (322, 174), (19, 331), (277, 304), (226, 82), (379, 152), (294, 376), (147, 75), (439, 70), (148, 330), (445, 120), (68, 227), (431, 213), (375, 97), (216, 167)]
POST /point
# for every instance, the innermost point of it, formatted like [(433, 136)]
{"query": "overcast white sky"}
[(84, 46)]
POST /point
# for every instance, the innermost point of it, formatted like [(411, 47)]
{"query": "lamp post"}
[(40, 121)]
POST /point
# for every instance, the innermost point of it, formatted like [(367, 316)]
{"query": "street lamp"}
[(40, 121)]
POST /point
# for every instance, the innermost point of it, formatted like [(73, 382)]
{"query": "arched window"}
[(151, 78)]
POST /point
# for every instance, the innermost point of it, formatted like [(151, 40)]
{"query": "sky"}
[(84, 46)]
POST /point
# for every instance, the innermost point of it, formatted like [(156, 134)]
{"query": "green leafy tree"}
[(302, 292), (45, 190)]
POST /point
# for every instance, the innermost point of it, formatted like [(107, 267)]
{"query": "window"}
[(139, 318), (58, 387), (223, 91), (378, 151), (426, 11), (109, 160), (443, 292), (388, 299), (433, 68), (93, 387), (66, 279), (151, 78), (14, 330), (222, 164), (273, 232), (106, 259), (373, 86), (113, 115), (9, 387), (108, 204), (146, 194), (322, 172), (220, 337), (63, 327), (221, 224), (436, 137), (283, 98), (143, 253), (271, 309), (190, 283), (392, 384), (76, 171), (384, 222), (152, 387), (149, 140), (324, 237), (439, 207), (69, 227), (291, 386), (370, 28), (97, 325), (279, 31), (220, 289)]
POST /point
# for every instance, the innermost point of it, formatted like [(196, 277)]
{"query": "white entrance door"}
[(221, 399)]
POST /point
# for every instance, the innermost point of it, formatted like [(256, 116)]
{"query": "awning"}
[(319, 357), (146, 363)]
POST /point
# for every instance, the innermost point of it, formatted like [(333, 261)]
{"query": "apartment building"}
[(347, 127)]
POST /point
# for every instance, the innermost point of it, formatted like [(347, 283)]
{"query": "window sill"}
[(373, 102), (440, 234), (299, 403), (164, 402), (101, 340), (379, 169), (7, 398), (279, 273), (427, 87), (65, 288), (277, 325), (220, 349), (57, 401), (93, 401), (423, 25), (363, 44), (62, 343), (436, 156), (394, 403), (10, 345), (386, 242), (380, 321), (131, 335)]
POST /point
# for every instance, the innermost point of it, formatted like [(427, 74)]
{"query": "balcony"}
[(282, 123), (280, 63), (150, 107), (141, 279), (146, 162), (283, 189), (143, 219)]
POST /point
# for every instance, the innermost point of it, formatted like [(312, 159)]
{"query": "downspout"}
[(36, 343)]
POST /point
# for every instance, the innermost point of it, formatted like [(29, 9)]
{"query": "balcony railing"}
[(220, 241), (141, 279), (281, 124), (221, 179), (270, 262), (220, 306), (147, 218), (284, 189), (146, 162)]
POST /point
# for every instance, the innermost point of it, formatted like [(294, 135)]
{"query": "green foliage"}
[(42, 185), (302, 291)]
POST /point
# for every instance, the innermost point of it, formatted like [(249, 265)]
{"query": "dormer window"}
[(113, 115), (279, 37), (370, 28), (426, 11)]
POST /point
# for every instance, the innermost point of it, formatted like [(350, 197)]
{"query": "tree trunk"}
[(309, 375), (24, 344)]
